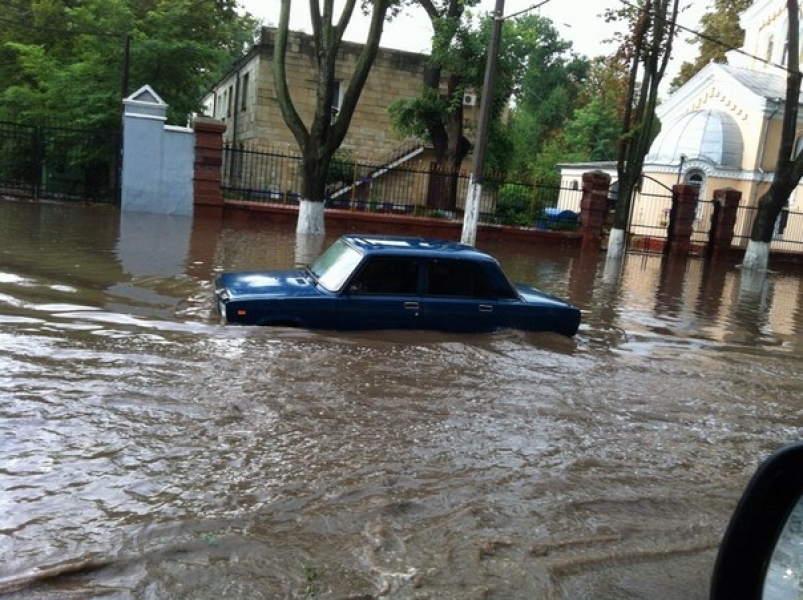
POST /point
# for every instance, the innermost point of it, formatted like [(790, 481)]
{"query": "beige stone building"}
[(245, 99), (721, 130)]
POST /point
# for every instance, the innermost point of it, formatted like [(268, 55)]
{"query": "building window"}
[(337, 98), (244, 92), (770, 44), (229, 101), (697, 179)]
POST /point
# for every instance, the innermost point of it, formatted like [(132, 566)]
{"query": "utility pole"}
[(472, 210)]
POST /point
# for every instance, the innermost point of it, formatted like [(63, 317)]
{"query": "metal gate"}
[(650, 213), (65, 163)]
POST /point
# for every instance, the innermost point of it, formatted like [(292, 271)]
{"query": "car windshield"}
[(332, 268)]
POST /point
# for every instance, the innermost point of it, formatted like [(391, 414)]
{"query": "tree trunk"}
[(320, 141), (789, 169), (314, 168), (652, 48), (448, 143)]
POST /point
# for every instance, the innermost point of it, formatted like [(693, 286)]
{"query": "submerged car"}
[(364, 282)]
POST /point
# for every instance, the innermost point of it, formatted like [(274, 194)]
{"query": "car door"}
[(459, 297), (382, 294)]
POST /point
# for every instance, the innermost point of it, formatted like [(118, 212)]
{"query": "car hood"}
[(241, 285)]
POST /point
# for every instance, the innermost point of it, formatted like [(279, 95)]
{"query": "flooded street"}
[(146, 451)]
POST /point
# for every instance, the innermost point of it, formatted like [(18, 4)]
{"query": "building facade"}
[(722, 128), (245, 98)]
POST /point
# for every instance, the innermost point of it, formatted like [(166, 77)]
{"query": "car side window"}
[(458, 278), (387, 275)]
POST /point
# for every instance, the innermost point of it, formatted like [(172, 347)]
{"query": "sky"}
[(578, 21)]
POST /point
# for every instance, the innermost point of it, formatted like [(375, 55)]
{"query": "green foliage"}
[(720, 32), (549, 88), (553, 152), (64, 60), (457, 65), (515, 204), (413, 116), (593, 131), (342, 167)]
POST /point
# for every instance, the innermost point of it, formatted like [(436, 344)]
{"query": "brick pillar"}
[(722, 228), (681, 222), (208, 163), (593, 209)]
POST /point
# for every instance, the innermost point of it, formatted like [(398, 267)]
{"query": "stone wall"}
[(258, 123)]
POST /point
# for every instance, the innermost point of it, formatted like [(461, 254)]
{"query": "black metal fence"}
[(44, 161), (649, 223), (413, 187)]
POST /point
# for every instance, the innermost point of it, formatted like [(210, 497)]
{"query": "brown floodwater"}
[(146, 451)]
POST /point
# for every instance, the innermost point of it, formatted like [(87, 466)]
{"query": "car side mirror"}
[(761, 555)]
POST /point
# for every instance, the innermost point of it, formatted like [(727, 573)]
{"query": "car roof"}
[(406, 245)]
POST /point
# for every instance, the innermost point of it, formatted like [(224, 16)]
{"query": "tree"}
[(552, 85), (649, 48), (719, 32), (594, 129), (66, 58), (790, 168), (455, 66), (534, 66), (319, 141)]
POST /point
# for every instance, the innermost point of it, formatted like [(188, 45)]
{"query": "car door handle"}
[(411, 305), (486, 308)]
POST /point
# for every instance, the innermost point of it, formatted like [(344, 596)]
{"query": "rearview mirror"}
[(784, 577), (761, 555)]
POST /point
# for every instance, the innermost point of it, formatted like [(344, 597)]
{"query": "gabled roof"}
[(767, 84), (750, 90)]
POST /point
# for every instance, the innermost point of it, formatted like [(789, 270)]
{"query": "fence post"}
[(208, 163), (722, 228), (681, 220), (593, 208), (157, 160)]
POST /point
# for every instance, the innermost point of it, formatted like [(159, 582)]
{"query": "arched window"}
[(696, 178), (770, 47)]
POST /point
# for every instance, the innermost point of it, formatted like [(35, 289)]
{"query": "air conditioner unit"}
[(469, 99)]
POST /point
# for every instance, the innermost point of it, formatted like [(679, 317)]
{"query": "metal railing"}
[(55, 162), (408, 187), (650, 221)]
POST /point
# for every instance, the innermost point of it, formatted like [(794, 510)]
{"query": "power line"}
[(708, 38)]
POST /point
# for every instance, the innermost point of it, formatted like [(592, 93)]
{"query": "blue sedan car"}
[(364, 282)]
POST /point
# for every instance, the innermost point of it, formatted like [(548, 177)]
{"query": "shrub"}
[(514, 205)]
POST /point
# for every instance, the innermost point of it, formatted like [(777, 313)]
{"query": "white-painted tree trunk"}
[(616, 244), (612, 271), (472, 214), (308, 248), (756, 256), (310, 218)]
